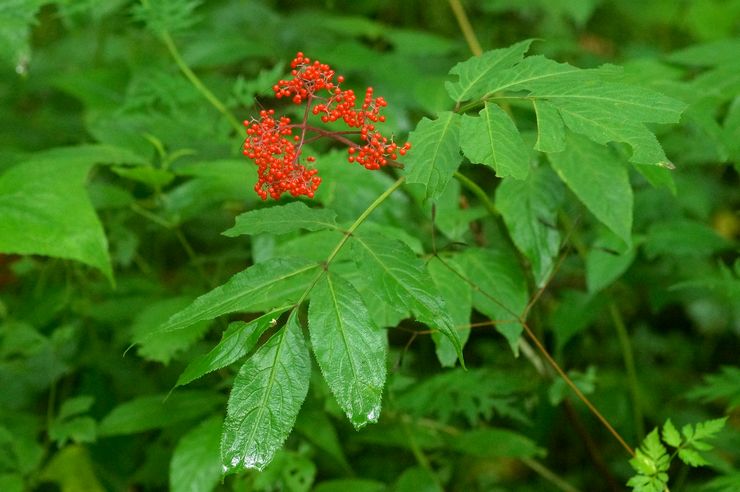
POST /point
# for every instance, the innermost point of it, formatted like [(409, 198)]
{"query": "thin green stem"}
[(466, 27), (629, 364), (477, 191), (205, 91), (548, 475), (364, 216)]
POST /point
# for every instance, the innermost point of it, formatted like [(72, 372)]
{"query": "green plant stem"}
[(364, 216), (205, 91), (548, 475), (629, 364), (465, 27), (477, 191)]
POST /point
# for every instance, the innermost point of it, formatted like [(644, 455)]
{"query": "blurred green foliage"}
[(140, 174)]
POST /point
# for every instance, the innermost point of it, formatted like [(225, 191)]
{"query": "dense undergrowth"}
[(547, 275)]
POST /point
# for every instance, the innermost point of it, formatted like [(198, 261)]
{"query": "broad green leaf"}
[(550, 127), (417, 479), (353, 484), (435, 155), (599, 180), (196, 464), (683, 237), (73, 470), (401, 279), (492, 139), (238, 340), (349, 348), (529, 209), (265, 399), (280, 219), (474, 73), (606, 261), (152, 412), (671, 435), (458, 298), (45, 210), (502, 290), (260, 287), (496, 443), (161, 346)]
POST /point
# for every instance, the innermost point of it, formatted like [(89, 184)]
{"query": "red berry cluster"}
[(275, 146)]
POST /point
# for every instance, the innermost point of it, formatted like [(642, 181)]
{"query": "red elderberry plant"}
[(276, 145)]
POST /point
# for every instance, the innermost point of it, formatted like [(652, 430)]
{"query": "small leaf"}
[(238, 340), (475, 72), (550, 128), (529, 209), (196, 465), (502, 290), (671, 435), (458, 297), (599, 180), (435, 155), (281, 219), (260, 287), (710, 428), (155, 411), (349, 348), (401, 279), (267, 394), (495, 443), (605, 263), (691, 457), (73, 470), (493, 139)]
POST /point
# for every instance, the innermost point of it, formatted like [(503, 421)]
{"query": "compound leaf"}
[(349, 348), (267, 394)]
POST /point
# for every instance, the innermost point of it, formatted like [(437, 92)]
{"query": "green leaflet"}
[(435, 155), (401, 279), (265, 399), (491, 442), (606, 262), (492, 139), (283, 218), (155, 411), (458, 297), (599, 180), (238, 340), (502, 293), (45, 210), (529, 209), (349, 348), (260, 287), (550, 127), (474, 73), (195, 463)]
